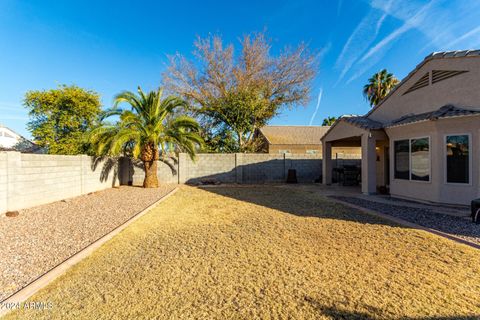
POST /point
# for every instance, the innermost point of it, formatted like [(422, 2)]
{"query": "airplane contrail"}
[(318, 105)]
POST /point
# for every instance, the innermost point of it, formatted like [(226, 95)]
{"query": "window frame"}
[(410, 159), (470, 159)]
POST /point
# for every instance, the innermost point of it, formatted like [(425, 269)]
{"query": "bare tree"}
[(240, 93)]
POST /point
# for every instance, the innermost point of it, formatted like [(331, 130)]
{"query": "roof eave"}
[(426, 120)]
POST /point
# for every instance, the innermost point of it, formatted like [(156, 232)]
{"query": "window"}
[(412, 159), (420, 159), (402, 160), (458, 158), (283, 151), (311, 152)]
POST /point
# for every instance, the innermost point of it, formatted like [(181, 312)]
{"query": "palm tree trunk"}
[(151, 180)]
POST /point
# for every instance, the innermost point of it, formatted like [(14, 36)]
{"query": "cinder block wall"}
[(135, 175), (232, 168), (28, 180), (308, 167), (3, 182), (219, 167)]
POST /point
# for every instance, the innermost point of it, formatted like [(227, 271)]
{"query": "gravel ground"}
[(41, 237), (266, 253), (457, 226)]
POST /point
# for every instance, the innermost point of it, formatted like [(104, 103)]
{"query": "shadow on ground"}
[(337, 313), (296, 200)]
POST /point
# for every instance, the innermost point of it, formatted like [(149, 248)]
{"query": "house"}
[(298, 140), (12, 141), (422, 141)]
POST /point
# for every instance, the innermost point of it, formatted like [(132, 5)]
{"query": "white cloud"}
[(339, 6), (408, 24), (465, 36), (323, 52), (319, 99), (361, 38), (442, 24)]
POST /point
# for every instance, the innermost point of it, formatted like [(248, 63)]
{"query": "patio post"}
[(369, 166), (327, 163)]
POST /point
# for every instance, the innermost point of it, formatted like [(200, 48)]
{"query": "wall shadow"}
[(296, 200), (375, 313), (269, 171)]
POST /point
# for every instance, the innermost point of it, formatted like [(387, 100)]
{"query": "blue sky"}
[(110, 46)]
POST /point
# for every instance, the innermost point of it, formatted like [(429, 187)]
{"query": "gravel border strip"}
[(43, 280), (460, 227), (408, 223)]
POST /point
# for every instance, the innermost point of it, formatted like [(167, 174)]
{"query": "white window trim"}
[(410, 159), (470, 158)]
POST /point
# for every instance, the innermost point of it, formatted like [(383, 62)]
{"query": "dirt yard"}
[(266, 252)]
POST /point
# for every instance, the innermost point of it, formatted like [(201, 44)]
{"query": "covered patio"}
[(353, 131)]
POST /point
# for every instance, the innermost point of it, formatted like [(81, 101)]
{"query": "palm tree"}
[(149, 131), (378, 86), (329, 121)]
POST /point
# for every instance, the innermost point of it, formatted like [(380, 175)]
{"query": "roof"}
[(432, 56), (293, 134), (23, 144), (363, 122), (447, 111)]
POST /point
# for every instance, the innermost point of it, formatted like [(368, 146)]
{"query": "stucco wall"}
[(461, 90), (28, 180), (437, 190), (343, 130)]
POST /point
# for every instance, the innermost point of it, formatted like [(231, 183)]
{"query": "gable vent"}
[(422, 82), (439, 75)]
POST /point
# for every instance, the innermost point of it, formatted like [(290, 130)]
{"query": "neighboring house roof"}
[(12, 141), (293, 134)]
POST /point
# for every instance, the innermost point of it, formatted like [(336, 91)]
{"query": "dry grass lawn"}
[(266, 252)]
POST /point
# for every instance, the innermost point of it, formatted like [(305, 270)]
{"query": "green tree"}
[(378, 86), (150, 131), (329, 121), (222, 141), (240, 93), (60, 118)]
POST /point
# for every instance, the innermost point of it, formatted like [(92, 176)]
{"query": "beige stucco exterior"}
[(437, 190), (377, 144)]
